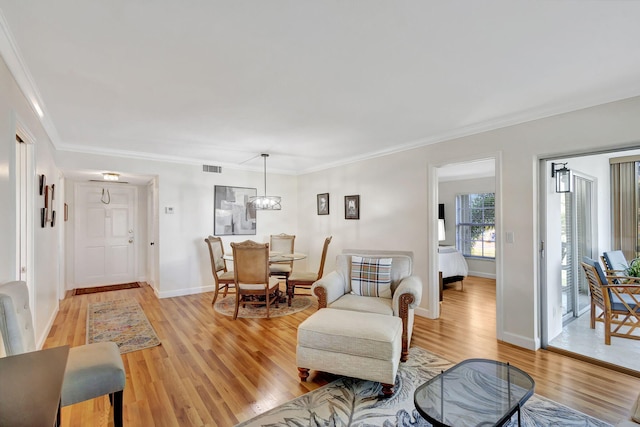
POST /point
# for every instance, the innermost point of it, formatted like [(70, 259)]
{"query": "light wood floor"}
[(213, 371)]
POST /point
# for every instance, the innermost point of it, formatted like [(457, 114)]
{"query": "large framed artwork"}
[(233, 215)]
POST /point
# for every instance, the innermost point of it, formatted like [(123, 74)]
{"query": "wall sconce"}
[(563, 176)]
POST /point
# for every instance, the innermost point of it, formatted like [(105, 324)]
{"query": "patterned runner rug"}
[(120, 321), (348, 401), (227, 305)]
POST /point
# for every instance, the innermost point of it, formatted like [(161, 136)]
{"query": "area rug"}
[(351, 402), (227, 305), (96, 289), (121, 321)]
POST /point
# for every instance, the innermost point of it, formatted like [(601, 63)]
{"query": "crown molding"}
[(12, 57)]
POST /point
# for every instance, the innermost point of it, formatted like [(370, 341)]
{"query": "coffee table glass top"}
[(475, 392)]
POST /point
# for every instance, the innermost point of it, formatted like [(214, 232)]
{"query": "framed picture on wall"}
[(232, 212), (323, 203), (352, 207)]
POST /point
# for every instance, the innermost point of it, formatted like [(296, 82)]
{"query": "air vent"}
[(211, 168)]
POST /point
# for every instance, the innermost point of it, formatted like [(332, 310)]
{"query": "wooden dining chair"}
[(251, 275), (222, 278), (283, 243), (304, 279)]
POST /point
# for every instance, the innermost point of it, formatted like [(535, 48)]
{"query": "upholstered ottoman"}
[(351, 343)]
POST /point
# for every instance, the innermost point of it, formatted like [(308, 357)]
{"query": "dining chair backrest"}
[(283, 243), (324, 256), (250, 262), (216, 253)]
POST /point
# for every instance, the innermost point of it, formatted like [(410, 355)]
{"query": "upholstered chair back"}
[(16, 325), (216, 253), (401, 264), (251, 262)]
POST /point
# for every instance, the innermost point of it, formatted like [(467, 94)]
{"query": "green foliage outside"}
[(634, 268)]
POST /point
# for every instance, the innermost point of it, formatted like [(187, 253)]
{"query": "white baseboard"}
[(481, 274), (424, 312), (520, 341), (184, 291)]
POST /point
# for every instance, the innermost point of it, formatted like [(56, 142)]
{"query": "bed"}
[(452, 265)]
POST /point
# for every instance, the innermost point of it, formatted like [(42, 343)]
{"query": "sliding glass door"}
[(578, 231)]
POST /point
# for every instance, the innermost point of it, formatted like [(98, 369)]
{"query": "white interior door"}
[(105, 246)]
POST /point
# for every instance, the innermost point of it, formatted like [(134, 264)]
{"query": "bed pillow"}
[(371, 277)]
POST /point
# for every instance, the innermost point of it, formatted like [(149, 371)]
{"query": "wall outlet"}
[(168, 210)]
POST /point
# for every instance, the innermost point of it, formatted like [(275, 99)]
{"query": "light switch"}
[(168, 210), (509, 237)]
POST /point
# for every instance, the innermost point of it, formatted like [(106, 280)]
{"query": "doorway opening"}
[(576, 225)]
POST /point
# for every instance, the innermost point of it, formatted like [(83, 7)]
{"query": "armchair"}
[(334, 290)]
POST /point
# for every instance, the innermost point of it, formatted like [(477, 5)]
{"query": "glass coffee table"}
[(475, 392)]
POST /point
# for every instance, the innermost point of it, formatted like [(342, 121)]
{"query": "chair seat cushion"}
[(280, 268), (303, 276), (617, 305), (367, 335), (273, 282), (227, 276), (93, 370), (366, 305)]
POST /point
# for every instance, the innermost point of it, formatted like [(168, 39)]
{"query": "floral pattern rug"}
[(121, 321), (227, 305), (353, 402)]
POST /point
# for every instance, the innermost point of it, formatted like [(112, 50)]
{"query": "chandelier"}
[(271, 203)]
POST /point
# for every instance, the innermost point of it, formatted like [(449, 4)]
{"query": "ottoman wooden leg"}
[(387, 390), (303, 373)]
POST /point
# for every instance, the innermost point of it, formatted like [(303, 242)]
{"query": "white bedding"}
[(451, 262)]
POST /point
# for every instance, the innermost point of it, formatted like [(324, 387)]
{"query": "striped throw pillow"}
[(371, 277)]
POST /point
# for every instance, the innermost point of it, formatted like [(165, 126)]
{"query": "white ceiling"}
[(314, 84)]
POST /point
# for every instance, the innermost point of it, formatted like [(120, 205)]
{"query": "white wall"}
[(44, 287), (447, 192)]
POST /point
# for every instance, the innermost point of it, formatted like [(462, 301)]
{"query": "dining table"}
[(275, 257)]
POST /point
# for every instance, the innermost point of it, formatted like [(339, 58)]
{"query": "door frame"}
[(433, 288), (25, 222)]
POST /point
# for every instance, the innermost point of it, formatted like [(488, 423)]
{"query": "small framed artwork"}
[(352, 207), (66, 212), (43, 182), (323, 204)]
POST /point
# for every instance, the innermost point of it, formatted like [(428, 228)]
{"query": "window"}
[(475, 225)]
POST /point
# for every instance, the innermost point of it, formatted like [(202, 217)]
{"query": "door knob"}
[(130, 240)]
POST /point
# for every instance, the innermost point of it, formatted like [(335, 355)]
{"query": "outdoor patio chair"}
[(619, 303)]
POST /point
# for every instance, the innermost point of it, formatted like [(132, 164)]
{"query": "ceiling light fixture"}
[(563, 176), (110, 176), (270, 203)]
